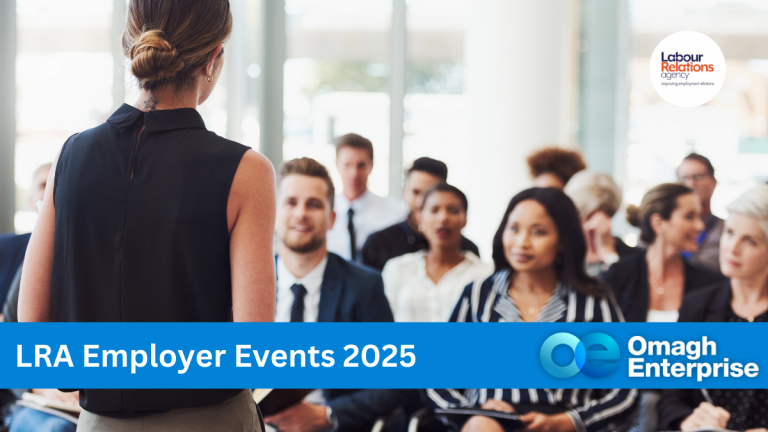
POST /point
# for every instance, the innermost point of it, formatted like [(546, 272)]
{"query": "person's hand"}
[(599, 227), (71, 398), (538, 422), (498, 405), (705, 415), (302, 417)]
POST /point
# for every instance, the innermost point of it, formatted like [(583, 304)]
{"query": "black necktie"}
[(352, 237), (297, 308)]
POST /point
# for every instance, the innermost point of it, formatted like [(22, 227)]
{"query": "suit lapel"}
[(331, 289)]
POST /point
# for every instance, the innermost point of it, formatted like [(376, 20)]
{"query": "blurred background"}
[(478, 84)]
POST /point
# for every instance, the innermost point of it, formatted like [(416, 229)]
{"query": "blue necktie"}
[(297, 308)]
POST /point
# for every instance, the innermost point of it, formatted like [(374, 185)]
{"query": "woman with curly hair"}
[(553, 166)]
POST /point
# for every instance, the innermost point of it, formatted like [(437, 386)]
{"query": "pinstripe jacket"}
[(590, 410)]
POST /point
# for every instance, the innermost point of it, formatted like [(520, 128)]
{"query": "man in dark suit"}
[(314, 285), (405, 237)]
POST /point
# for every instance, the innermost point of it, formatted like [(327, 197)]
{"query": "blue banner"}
[(383, 355)]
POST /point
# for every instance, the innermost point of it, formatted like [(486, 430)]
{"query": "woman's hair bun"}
[(633, 215), (153, 58)]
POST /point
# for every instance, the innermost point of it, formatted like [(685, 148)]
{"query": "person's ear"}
[(657, 223), (212, 61), (331, 220)]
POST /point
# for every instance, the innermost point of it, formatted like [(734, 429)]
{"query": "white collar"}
[(312, 281), (357, 203)]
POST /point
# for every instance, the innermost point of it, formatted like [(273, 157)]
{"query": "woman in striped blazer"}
[(538, 252)]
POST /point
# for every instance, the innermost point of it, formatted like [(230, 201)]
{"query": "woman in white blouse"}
[(424, 286)]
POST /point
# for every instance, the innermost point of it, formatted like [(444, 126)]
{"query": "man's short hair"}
[(702, 160), (430, 166), (354, 140), (308, 167)]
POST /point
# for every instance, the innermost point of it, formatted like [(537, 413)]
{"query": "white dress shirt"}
[(372, 213), (312, 282), (414, 297)]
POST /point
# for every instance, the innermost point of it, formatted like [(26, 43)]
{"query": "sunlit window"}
[(336, 80)]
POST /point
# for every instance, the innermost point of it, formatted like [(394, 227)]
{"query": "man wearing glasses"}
[(697, 173)]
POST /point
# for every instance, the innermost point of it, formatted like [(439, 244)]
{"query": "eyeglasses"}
[(695, 178)]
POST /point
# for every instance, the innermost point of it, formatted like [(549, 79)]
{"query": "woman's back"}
[(141, 229)]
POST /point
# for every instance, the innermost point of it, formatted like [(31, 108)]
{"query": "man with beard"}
[(314, 285)]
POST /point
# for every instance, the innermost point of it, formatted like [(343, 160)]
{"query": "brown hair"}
[(167, 41), (702, 160), (355, 141), (554, 160), (662, 199), (311, 168)]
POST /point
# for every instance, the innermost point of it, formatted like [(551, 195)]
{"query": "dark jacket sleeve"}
[(11, 307), (376, 304), (370, 253), (359, 410), (676, 405)]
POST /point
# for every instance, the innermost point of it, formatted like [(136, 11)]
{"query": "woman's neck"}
[(536, 282), (167, 98), (449, 256), (750, 291), (663, 259)]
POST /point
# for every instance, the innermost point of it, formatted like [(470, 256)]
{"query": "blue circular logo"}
[(596, 355)]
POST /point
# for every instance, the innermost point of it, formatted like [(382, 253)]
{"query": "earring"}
[(210, 78)]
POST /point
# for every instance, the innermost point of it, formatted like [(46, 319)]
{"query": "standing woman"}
[(649, 285), (538, 252), (150, 217), (743, 254), (424, 286)]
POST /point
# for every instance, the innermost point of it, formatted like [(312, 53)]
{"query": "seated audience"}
[(650, 284), (697, 173), (12, 246), (424, 286), (314, 285), (23, 419), (554, 166), (405, 237), (538, 252), (598, 198), (359, 211), (743, 254)]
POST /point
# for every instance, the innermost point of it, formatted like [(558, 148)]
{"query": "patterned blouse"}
[(748, 408), (590, 410)]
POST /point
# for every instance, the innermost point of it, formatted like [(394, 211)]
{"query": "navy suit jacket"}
[(351, 292)]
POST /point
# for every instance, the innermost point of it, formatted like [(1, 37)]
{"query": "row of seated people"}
[(541, 230), (539, 274)]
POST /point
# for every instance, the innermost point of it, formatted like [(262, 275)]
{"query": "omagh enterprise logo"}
[(596, 355)]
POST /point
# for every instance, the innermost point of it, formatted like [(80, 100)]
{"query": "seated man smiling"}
[(314, 285)]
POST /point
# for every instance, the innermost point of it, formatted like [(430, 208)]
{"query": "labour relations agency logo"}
[(596, 355)]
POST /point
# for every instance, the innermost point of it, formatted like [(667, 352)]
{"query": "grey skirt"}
[(239, 414)]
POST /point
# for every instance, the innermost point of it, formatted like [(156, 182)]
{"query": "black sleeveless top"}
[(150, 248)]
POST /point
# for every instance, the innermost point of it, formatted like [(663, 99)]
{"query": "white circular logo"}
[(687, 69)]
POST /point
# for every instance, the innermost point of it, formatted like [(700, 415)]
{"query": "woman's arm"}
[(251, 219), (35, 291)]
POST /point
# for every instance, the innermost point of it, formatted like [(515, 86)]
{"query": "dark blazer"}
[(351, 292), (12, 250), (629, 280), (397, 240), (708, 304)]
